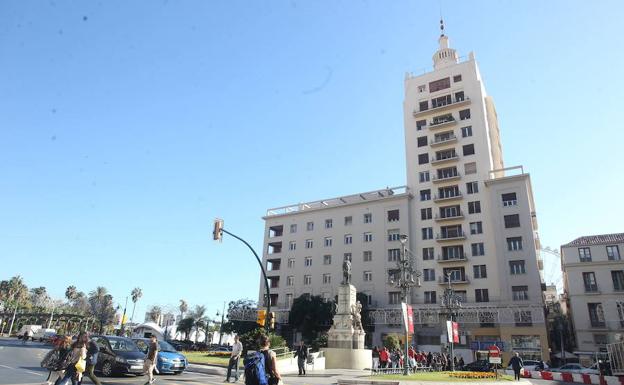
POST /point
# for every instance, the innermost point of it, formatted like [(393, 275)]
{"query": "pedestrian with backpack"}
[(261, 366)]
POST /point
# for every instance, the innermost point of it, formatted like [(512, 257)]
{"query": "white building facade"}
[(593, 273), (469, 221)]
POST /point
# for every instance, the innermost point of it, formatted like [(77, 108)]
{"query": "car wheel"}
[(107, 369)]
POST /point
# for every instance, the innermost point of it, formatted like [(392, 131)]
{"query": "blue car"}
[(169, 360)]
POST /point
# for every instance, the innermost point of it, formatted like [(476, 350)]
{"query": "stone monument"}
[(345, 339)]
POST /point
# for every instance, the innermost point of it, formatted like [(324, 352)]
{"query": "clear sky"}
[(126, 127)]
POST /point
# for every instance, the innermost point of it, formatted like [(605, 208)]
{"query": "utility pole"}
[(217, 235)]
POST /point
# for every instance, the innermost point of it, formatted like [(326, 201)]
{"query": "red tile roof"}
[(597, 240)]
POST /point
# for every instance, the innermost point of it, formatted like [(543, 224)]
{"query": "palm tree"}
[(71, 293), (154, 313), (201, 321), (136, 294), (183, 308)]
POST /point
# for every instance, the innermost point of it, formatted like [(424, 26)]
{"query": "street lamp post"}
[(218, 235), (405, 282), (452, 302)]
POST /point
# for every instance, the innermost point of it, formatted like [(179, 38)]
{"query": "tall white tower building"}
[(470, 221)]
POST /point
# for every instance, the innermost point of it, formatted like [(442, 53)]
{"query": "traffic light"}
[(217, 233), (272, 320), (261, 317)]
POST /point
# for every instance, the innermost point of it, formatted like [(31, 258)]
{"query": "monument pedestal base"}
[(337, 358)]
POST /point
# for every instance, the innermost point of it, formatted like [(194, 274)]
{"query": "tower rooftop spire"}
[(444, 56)]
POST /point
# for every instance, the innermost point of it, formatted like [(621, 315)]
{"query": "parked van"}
[(31, 328)]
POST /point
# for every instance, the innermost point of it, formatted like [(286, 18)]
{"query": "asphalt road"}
[(19, 365)]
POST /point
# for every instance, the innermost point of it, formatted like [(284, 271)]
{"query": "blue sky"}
[(126, 127)]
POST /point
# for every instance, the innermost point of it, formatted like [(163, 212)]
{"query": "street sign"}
[(495, 360), (494, 351)]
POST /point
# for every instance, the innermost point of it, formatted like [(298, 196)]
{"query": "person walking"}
[(25, 337), (150, 360), (73, 363), (237, 350), (383, 357), (93, 351), (375, 358), (270, 361), (302, 355), (516, 364)]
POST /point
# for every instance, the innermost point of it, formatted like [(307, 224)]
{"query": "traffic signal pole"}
[(219, 228)]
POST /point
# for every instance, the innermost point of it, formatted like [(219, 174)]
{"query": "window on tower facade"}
[(509, 199), (479, 271), (466, 131), (520, 293), (422, 88), (472, 187), (427, 254), (617, 276), (368, 237), (368, 218), (420, 124), (348, 220), (423, 176), (439, 84), (468, 149), (474, 207), (327, 259), (430, 297), (470, 168), (329, 223), (514, 243), (293, 228), (348, 239), (517, 267), (425, 214), (482, 295), (423, 158), (459, 96), (425, 195), (613, 253), (422, 141), (464, 114), (457, 78), (367, 256), (477, 249), (328, 241), (368, 276), (512, 221), (394, 255), (394, 298), (476, 228), (427, 233), (310, 226), (589, 280), (423, 106), (428, 274)]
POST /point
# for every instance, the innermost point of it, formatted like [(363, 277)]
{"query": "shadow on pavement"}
[(34, 368)]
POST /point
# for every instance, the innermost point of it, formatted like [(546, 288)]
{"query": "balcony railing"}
[(454, 103), (445, 197), (454, 258), (451, 236), (591, 289), (443, 122), (444, 178), (437, 160), (454, 280), (443, 140), (440, 218)]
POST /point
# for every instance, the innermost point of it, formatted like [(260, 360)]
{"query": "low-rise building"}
[(593, 273)]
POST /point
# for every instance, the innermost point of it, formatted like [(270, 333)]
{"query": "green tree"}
[(136, 294), (251, 338), (186, 326), (39, 298), (237, 326), (14, 292), (311, 315), (392, 342), (101, 304)]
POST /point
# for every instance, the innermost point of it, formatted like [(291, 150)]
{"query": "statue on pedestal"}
[(356, 312), (346, 272)]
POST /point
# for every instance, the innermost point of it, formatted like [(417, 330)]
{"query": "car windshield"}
[(166, 347), (122, 345)]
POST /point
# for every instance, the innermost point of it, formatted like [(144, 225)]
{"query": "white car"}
[(577, 368), (44, 334), (532, 365)]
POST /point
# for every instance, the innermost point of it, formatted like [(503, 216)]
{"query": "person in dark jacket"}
[(516, 364), (93, 352), (302, 355)]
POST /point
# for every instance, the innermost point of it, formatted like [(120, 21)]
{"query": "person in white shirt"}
[(237, 350)]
